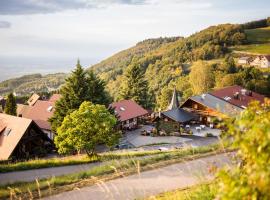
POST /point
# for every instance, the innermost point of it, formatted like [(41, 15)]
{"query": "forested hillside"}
[(32, 83), (170, 62)]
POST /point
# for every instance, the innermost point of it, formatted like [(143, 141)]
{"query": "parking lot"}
[(136, 140)]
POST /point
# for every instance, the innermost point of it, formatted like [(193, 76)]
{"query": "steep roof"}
[(40, 113), (237, 96), (22, 109), (33, 99), (128, 109), (216, 104), (179, 115), (55, 97), (11, 131), (174, 102), (267, 57)]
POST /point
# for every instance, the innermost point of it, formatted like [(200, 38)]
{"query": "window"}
[(122, 109), (49, 109), (7, 131)]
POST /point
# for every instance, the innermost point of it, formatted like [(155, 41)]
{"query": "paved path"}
[(149, 182), (30, 175)]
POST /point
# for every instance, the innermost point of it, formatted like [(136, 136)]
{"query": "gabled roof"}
[(13, 128), (174, 102), (267, 57), (128, 109), (179, 115), (217, 104), (55, 97), (22, 109), (33, 99), (40, 113), (237, 96)]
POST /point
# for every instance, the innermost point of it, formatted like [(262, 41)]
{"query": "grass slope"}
[(259, 42)]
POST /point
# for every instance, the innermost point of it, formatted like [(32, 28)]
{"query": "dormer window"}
[(7, 131), (122, 109), (227, 98), (49, 109)]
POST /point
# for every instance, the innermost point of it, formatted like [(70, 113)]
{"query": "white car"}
[(163, 149)]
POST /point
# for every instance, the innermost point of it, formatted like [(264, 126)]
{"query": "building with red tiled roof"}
[(20, 137), (129, 112), (238, 96), (55, 97)]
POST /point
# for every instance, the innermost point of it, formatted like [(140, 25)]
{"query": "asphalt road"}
[(150, 182)]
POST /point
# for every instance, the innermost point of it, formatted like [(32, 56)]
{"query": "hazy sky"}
[(49, 35)]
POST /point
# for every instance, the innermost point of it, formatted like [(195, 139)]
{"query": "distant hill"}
[(167, 59), (27, 84)]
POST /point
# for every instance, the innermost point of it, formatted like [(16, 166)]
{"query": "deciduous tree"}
[(85, 128)]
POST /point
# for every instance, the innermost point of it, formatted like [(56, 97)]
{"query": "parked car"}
[(163, 149), (122, 146)]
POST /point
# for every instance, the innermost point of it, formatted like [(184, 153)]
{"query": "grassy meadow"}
[(259, 41)]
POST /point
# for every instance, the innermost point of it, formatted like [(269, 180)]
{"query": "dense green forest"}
[(178, 64), (201, 62)]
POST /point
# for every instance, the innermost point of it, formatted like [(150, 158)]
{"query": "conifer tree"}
[(135, 86), (11, 107), (80, 86)]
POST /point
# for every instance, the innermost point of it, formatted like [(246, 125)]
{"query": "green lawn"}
[(259, 35), (72, 160), (259, 42), (254, 48)]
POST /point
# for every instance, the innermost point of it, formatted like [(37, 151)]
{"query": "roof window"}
[(49, 109), (122, 108), (227, 98), (7, 131)]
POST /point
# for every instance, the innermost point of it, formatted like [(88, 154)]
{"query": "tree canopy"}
[(80, 86), (250, 133), (11, 106), (85, 128), (135, 86)]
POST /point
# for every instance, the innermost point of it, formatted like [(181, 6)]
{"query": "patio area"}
[(136, 139)]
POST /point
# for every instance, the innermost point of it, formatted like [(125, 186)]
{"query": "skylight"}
[(7, 131), (227, 98), (122, 109), (49, 109)]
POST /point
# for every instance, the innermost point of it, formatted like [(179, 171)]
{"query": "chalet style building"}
[(129, 113), (174, 117), (220, 104), (244, 60), (40, 111), (21, 138), (262, 61)]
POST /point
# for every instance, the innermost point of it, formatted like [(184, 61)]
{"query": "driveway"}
[(151, 182)]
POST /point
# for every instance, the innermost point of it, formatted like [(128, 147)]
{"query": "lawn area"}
[(72, 160), (199, 192), (113, 169), (254, 48), (259, 35), (259, 42)]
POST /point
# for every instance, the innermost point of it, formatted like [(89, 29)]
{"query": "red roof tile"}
[(128, 109), (244, 99), (55, 97), (40, 113)]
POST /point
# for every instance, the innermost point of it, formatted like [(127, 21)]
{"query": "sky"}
[(48, 36)]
